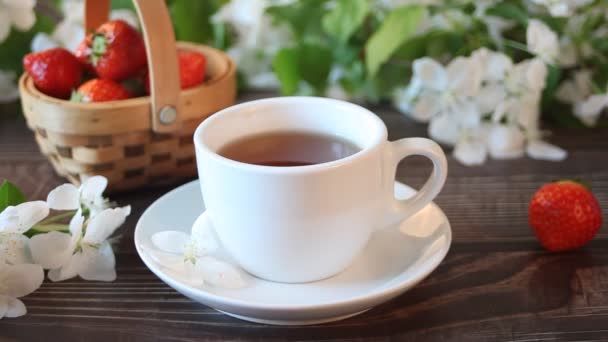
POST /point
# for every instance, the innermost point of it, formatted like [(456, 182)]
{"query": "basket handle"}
[(161, 54)]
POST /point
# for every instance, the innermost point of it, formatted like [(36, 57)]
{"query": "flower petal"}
[(444, 129), (490, 96), (69, 34), (589, 110), (204, 238), (536, 74), (505, 142), (64, 197), (544, 151), (404, 97), (104, 224), (567, 92), (219, 273), (21, 280), (50, 250), (23, 18), (97, 263), (465, 113), (14, 248), (496, 66), (426, 107), (542, 41), (92, 188), (20, 218), (42, 41), (68, 270), (9, 220), (170, 241), (15, 308), (464, 76), (470, 152), (5, 25), (430, 74)]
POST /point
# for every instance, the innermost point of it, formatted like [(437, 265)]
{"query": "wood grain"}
[(496, 284)]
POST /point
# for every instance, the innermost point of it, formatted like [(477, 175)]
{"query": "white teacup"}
[(305, 223)]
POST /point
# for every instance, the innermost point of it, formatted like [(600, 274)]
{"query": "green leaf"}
[(123, 4), (353, 80), (509, 11), (345, 18), (314, 63), (400, 24), (285, 65), (10, 195), (191, 20), (301, 16), (390, 76)]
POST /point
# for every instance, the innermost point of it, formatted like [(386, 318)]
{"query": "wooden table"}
[(496, 284)]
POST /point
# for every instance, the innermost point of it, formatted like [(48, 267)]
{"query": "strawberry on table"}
[(116, 51), (55, 72), (564, 215), (100, 90), (192, 67)]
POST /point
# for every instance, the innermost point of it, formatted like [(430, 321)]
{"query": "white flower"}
[(14, 221), (8, 89), (505, 142), (472, 148), (17, 13), (562, 8), (589, 110), (89, 196), (542, 41), (495, 66), (527, 77), (538, 149), (196, 256), (444, 97), (576, 89), (257, 39), (17, 281), (520, 111), (87, 255)]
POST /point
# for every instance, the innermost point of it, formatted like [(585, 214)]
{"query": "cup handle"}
[(399, 210)]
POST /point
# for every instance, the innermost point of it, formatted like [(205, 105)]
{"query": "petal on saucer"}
[(219, 273), (171, 241)]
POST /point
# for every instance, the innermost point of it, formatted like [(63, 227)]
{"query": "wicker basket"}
[(140, 141)]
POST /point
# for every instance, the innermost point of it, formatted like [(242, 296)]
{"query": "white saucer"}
[(396, 259)]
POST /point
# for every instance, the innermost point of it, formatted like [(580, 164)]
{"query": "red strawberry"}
[(116, 50), (56, 72), (192, 67), (564, 215), (100, 90)]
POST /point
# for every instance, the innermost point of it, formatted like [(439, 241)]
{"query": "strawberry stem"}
[(100, 46)]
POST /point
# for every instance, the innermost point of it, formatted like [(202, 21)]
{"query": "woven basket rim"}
[(28, 85)]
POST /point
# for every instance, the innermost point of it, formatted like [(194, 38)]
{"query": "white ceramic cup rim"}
[(377, 128)]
